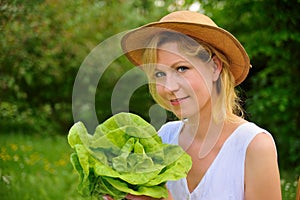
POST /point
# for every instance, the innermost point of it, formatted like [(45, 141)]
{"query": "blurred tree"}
[(44, 42)]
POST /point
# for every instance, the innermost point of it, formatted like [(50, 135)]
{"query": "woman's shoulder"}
[(262, 140), (261, 168), (249, 136), (171, 124), (261, 143), (170, 130), (250, 130)]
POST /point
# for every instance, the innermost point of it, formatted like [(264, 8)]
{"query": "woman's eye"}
[(159, 74), (182, 68)]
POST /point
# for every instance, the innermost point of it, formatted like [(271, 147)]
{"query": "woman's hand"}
[(135, 197), (107, 197), (142, 197), (139, 197), (131, 197)]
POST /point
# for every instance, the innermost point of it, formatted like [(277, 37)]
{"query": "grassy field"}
[(38, 167)]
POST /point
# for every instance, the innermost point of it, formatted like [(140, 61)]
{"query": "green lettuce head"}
[(125, 155)]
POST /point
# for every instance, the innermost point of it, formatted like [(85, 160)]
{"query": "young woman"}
[(193, 67)]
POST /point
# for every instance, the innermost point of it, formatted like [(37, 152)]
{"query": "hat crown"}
[(188, 17)]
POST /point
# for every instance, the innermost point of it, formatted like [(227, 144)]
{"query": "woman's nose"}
[(172, 84)]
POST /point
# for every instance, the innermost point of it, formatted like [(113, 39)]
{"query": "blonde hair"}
[(227, 104)]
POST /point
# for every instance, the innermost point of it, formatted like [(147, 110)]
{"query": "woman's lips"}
[(177, 101)]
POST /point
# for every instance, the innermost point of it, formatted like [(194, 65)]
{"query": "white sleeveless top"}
[(224, 179)]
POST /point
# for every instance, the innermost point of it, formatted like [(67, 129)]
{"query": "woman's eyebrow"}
[(179, 63), (174, 65)]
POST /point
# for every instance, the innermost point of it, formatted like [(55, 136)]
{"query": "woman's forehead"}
[(170, 54), (170, 49)]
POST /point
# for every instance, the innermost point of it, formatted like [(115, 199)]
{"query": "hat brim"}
[(135, 41)]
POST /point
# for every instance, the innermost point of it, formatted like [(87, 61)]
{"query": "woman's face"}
[(184, 83)]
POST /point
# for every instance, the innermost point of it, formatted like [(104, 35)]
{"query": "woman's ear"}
[(217, 67)]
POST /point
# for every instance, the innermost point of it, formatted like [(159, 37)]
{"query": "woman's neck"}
[(202, 130), (200, 124)]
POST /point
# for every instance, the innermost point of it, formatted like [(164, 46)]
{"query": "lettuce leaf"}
[(125, 155)]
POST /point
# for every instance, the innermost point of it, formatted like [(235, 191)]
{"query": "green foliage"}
[(43, 44), (33, 70), (289, 184)]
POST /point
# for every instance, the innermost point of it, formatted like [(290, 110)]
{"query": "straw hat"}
[(195, 25)]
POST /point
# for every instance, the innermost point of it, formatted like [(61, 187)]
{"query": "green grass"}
[(38, 167), (288, 186)]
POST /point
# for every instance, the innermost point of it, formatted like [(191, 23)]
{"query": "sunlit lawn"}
[(38, 167)]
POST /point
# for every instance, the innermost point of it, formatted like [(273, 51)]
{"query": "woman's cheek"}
[(160, 90)]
